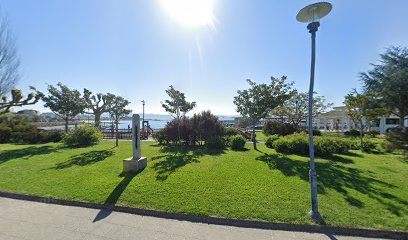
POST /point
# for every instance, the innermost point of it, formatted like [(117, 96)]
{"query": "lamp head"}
[(314, 12)]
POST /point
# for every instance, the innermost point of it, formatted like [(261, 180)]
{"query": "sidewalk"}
[(32, 220)]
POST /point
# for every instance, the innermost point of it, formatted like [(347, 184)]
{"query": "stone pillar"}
[(136, 136), (382, 125), (342, 121), (136, 163)]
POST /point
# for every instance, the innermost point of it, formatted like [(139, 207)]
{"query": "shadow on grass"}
[(84, 159), (25, 153), (332, 175), (113, 197), (176, 156)]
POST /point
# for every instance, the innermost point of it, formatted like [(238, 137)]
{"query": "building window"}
[(392, 121)]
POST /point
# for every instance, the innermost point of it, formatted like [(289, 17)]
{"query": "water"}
[(125, 124)]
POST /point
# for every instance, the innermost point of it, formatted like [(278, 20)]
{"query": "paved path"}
[(32, 220)]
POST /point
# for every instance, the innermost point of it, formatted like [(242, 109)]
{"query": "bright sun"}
[(190, 12)]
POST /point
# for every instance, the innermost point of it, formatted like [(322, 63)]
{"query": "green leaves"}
[(257, 101), (118, 108), (177, 103), (389, 80), (64, 102), (17, 100)]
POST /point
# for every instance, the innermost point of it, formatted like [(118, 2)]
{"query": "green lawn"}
[(361, 190)]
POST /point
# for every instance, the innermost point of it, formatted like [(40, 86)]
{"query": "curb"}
[(325, 229)]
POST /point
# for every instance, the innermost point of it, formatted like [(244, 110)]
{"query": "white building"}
[(337, 120)]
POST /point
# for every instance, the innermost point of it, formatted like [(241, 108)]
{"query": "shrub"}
[(231, 132), (373, 133), (51, 136), (276, 127), (215, 142), (398, 140), (352, 133), (15, 129), (82, 136), (270, 140), (368, 145), (206, 125), (199, 129), (160, 136), (298, 143), (237, 142), (316, 132)]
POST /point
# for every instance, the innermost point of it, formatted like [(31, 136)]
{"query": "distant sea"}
[(155, 121)]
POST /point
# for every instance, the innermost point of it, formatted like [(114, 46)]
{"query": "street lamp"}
[(143, 121), (311, 15)]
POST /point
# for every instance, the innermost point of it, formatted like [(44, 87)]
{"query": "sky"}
[(137, 48)]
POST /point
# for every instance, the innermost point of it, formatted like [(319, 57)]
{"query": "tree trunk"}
[(254, 136), (97, 120), (401, 123), (361, 135), (117, 134), (66, 124)]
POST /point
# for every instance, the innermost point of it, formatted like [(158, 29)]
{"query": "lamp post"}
[(311, 15), (143, 121)]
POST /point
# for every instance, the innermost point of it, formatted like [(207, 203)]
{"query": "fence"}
[(122, 133)]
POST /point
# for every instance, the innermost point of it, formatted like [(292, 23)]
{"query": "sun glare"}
[(190, 12)]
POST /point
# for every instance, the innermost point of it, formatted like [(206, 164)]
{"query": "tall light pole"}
[(143, 121), (311, 15)]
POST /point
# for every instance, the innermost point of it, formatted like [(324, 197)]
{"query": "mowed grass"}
[(360, 190)]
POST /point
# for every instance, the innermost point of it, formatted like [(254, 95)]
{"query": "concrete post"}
[(136, 163)]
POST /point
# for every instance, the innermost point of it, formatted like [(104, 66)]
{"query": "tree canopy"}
[(362, 108), (18, 100), (389, 79), (98, 103), (296, 108), (64, 102), (177, 105), (9, 60), (258, 100)]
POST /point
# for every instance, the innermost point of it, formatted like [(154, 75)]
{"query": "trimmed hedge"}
[(298, 143), (352, 133)]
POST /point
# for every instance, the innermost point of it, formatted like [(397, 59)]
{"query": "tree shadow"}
[(25, 153), (84, 159), (176, 156), (332, 175), (113, 197)]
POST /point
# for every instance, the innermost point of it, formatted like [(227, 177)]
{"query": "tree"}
[(206, 125), (9, 60), (361, 108), (177, 105), (256, 102), (64, 102), (18, 100), (390, 80), (98, 103), (296, 108), (118, 110)]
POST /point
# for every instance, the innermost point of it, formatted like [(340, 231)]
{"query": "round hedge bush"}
[(277, 127), (237, 142), (215, 143), (82, 136)]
